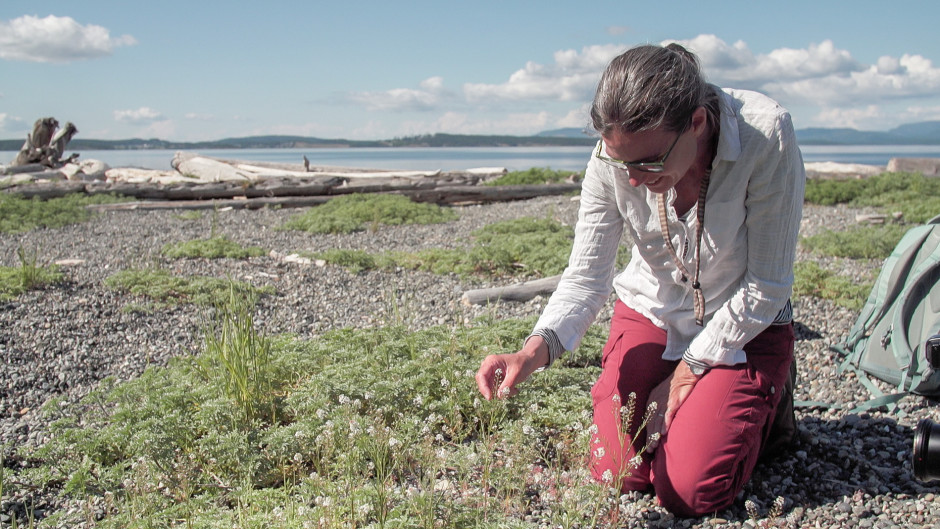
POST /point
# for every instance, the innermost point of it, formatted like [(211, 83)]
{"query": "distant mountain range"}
[(923, 133)]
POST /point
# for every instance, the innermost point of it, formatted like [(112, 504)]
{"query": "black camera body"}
[(932, 351), (926, 455)]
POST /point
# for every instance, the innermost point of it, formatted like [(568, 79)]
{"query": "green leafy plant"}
[(357, 212), (216, 247), (917, 197), (380, 427), (28, 275), (810, 279), (533, 176), (162, 287), (520, 247), (19, 214), (870, 242)]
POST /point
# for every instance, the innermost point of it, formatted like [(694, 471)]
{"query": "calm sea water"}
[(447, 159)]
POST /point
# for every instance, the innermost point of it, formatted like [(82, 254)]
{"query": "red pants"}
[(716, 436)]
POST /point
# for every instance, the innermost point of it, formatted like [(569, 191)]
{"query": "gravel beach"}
[(846, 470)]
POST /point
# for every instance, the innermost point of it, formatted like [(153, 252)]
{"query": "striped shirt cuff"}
[(555, 349)]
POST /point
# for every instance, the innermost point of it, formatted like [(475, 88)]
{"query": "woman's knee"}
[(688, 496)]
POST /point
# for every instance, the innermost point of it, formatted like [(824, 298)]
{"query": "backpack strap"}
[(888, 285), (906, 355)]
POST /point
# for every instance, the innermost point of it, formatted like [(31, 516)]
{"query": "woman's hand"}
[(669, 396), (500, 374)]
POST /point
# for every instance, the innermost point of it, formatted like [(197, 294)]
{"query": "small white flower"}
[(343, 399), (607, 476), (392, 442), (298, 458), (635, 462), (445, 383), (593, 429), (528, 430), (418, 400)]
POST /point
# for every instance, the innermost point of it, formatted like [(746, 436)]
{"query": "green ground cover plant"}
[(914, 195), (377, 427), (533, 176), (164, 288), (528, 247), (216, 247), (358, 212), (810, 279), (19, 214), (14, 280), (861, 242)]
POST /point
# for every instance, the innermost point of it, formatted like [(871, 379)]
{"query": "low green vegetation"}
[(19, 214), (519, 247), (14, 280), (163, 288), (216, 247), (863, 242), (915, 196), (377, 427), (533, 176), (810, 279), (358, 212)]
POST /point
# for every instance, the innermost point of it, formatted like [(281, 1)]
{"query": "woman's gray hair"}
[(651, 86)]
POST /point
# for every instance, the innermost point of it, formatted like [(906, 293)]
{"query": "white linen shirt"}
[(752, 217)]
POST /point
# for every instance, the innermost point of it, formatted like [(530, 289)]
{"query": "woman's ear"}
[(699, 121)]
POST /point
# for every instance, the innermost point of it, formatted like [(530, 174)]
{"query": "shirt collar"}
[(729, 141)]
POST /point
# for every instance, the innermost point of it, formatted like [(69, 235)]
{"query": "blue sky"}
[(205, 69)]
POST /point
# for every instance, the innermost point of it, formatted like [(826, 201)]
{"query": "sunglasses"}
[(646, 167)]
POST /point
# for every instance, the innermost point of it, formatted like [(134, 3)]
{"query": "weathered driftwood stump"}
[(45, 146)]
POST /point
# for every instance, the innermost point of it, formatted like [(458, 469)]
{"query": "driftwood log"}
[(452, 195), (44, 146), (518, 292)]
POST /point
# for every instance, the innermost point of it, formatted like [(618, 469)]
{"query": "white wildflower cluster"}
[(528, 430), (607, 476), (392, 442), (343, 400), (418, 400), (445, 383)]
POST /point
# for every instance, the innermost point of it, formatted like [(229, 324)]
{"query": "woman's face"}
[(677, 151)]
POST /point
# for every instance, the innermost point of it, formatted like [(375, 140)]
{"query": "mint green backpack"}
[(902, 312)]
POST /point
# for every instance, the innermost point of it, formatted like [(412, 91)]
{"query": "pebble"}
[(845, 470)]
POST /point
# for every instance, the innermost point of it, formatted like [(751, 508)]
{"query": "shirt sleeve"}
[(774, 203), (585, 284)]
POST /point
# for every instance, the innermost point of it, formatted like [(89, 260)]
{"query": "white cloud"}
[(522, 123), (56, 39), (573, 77), (140, 115), (856, 118), (199, 117), (10, 123), (427, 97)]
